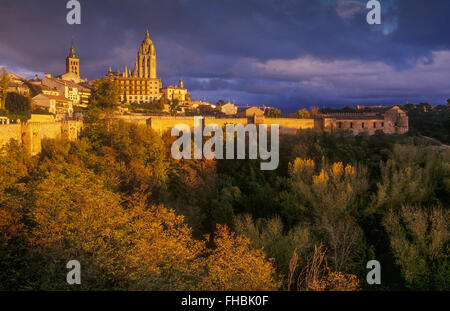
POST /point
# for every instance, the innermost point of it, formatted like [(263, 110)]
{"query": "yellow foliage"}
[(337, 170), (234, 265), (336, 281), (300, 165), (349, 170), (10, 225), (321, 179), (319, 277)]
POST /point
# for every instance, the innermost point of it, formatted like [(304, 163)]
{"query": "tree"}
[(272, 113), (105, 94), (4, 82), (419, 239), (18, 106), (234, 265), (317, 276), (303, 114), (314, 111), (158, 104), (276, 242), (134, 246), (448, 101), (330, 197), (413, 176), (174, 106)]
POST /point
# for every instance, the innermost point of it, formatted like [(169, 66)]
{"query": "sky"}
[(287, 54)]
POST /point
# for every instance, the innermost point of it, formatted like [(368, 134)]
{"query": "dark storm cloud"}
[(284, 53)]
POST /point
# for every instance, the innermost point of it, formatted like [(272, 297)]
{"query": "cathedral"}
[(142, 84)]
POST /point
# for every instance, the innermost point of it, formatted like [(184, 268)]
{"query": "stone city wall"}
[(31, 134)]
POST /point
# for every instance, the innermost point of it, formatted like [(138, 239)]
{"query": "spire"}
[(72, 53), (147, 35), (180, 84)]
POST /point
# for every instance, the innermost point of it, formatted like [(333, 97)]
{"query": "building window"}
[(382, 124), (351, 125), (374, 125), (362, 125)]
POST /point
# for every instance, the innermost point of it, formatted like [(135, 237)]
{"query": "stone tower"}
[(146, 60), (73, 62)]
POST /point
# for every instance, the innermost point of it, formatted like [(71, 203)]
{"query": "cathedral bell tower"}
[(73, 62), (146, 60)]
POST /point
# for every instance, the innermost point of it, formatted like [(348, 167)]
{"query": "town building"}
[(250, 112), (77, 93), (392, 120), (175, 93), (60, 106), (142, 84), (228, 109), (18, 85)]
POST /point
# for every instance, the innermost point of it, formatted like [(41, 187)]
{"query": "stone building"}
[(250, 112), (77, 93), (228, 109), (72, 68), (60, 106), (172, 93), (391, 120), (142, 84)]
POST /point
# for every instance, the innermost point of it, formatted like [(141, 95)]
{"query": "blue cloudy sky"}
[(282, 53)]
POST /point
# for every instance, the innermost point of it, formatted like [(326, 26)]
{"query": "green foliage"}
[(420, 238), (113, 200), (152, 107), (174, 106), (272, 113), (18, 106), (303, 114), (105, 94), (277, 243), (429, 120), (4, 82)]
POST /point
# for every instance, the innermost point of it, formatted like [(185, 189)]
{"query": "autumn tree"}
[(318, 276), (270, 235), (234, 265), (329, 195), (164, 255)]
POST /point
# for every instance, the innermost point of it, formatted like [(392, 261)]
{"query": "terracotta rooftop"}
[(56, 97)]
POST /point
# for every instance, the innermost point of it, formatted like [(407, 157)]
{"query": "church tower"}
[(146, 60), (73, 62)]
